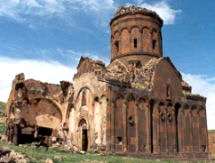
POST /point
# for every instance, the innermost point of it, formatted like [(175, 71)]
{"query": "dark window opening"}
[(43, 131), (135, 43), (177, 107), (84, 99), (133, 77), (138, 64), (154, 44), (131, 121), (96, 99), (163, 117), (117, 45), (203, 148), (151, 124), (84, 140), (168, 92), (43, 135), (19, 86), (169, 116), (119, 139)]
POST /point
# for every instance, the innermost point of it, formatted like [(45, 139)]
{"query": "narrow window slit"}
[(154, 44), (135, 43), (117, 45)]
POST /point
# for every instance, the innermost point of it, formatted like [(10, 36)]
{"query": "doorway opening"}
[(84, 134), (84, 140), (44, 131)]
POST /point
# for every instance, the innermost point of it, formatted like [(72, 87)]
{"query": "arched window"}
[(116, 44), (135, 42), (168, 91), (154, 44), (154, 39), (84, 98)]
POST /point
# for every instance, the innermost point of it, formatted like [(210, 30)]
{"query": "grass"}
[(2, 128), (40, 154)]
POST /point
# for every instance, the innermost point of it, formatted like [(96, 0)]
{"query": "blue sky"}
[(61, 31), (45, 38)]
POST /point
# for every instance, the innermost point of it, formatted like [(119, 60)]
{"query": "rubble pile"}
[(11, 156)]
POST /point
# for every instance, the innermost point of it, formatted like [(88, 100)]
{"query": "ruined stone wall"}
[(90, 104), (38, 104)]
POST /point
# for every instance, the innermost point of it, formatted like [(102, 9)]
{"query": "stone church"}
[(138, 104)]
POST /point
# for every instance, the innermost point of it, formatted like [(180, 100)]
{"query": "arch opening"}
[(84, 134)]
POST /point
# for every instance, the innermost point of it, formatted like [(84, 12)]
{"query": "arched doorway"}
[(84, 134)]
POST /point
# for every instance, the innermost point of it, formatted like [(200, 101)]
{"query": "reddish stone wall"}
[(38, 104), (211, 141), (166, 81), (139, 29), (139, 124)]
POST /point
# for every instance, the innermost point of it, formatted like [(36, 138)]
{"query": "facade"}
[(138, 104)]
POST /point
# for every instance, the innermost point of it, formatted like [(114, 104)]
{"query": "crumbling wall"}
[(90, 105), (33, 105), (100, 107)]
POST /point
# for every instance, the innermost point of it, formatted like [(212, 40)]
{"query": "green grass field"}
[(40, 154)]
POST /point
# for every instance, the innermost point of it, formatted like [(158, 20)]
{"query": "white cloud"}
[(19, 9), (205, 86), (77, 55), (166, 12), (95, 5), (51, 71)]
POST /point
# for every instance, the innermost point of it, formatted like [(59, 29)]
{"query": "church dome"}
[(132, 10), (136, 31)]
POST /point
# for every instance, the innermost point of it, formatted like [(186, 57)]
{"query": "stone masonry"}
[(138, 104)]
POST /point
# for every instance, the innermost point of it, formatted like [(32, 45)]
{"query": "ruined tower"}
[(136, 31)]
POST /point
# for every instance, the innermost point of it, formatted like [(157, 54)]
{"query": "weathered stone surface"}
[(211, 141), (12, 156), (138, 104), (48, 160)]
